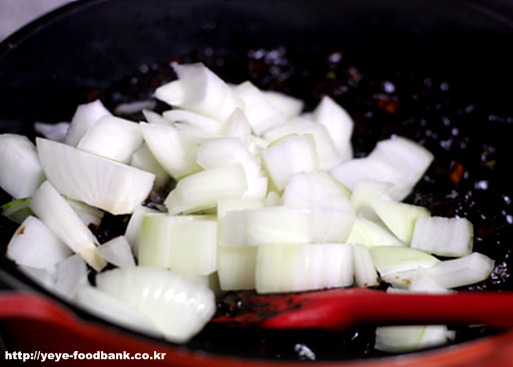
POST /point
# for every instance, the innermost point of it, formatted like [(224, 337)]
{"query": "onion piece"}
[(34, 244), (174, 151), (117, 251), (144, 160), (262, 115), (327, 153), (366, 191), (134, 226), (332, 215), (178, 306), (236, 267), (392, 260), (289, 155), (85, 116), (185, 244), (194, 119), (114, 309), (20, 169), (288, 106), (411, 158), (277, 225), (303, 267), (204, 189), (408, 338), (338, 123), (368, 233), (400, 218), (450, 237), (365, 273), (55, 132), (203, 92), (466, 270), (172, 93), (97, 181), (112, 137), (70, 274), (57, 214)]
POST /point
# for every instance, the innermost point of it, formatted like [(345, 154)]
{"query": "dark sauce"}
[(469, 177)]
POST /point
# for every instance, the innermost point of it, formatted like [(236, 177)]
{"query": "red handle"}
[(339, 309)]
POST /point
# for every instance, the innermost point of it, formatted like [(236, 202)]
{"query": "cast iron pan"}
[(438, 72)]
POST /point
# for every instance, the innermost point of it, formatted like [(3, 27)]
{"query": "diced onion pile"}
[(267, 197)]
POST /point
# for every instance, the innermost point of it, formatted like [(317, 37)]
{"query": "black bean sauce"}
[(469, 177)]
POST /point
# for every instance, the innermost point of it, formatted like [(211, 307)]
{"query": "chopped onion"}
[(410, 337), (288, 106), (194, 119), (185, 244), (368, 233), (178, 306), (114, 309), (20, 170), (112, 137), (302, 267), (204, 189), (57, 214), (262, 115), (451, 237), (236, 267), (55, 132), (85, 116), (97, 181), (143, 159), (266, 226), (34, 244), (338, 123), (117, 251), (464, 271), (400, 218), (332, 215), (174, 151), (289, 155), (365, 273)]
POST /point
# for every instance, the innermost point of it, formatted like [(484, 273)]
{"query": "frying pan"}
[(118, 51)]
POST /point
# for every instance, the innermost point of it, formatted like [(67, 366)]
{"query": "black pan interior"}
[(438, 72)]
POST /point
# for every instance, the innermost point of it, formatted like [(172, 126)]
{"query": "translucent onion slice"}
[(204, 189), (338, 123), (118, 252), (236, 267), (332, 215), (303, 267), (172, 148), (409, 157), (172, 93), (112, 137), (400, 218), (288, 156), (143, 159), (203, 92), (366, 191), (17, 210), (390, 260), (262, 115), (53, 210), (450, 237), (369, 233), (467, 270), (70, 274), (20, 170), (408, 338), (34, 244), (55, 132), (365, 273), (114, 309), (327, 153), (194, 119), (288, 106), (178, 306), (85, 116), (185, 244), (277, 225), (97, 181)]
